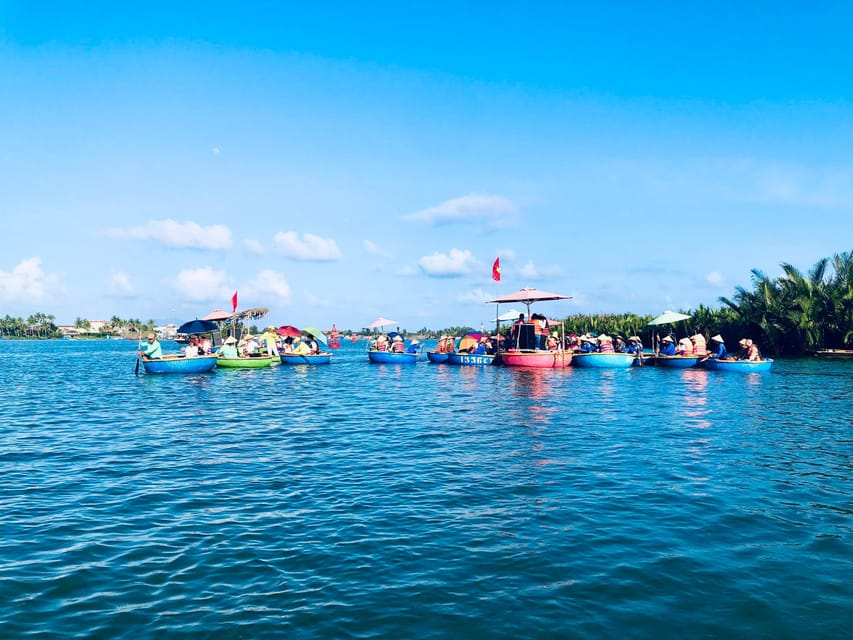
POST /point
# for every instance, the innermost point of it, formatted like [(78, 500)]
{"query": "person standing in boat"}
[(268, 339), (152, 350)]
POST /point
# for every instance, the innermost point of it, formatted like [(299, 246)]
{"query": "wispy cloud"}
[(27, 282), (119, 285), (177, 234), (495, 211), (202, 285), (407, 271), (475, 296), (448, 265), (716, 279), (254, 247), (310, 247), (373, 249), (531, 272)]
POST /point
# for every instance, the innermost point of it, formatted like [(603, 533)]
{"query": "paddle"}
[(136, 369)]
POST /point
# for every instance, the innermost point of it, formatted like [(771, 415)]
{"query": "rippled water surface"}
[(427, 501)]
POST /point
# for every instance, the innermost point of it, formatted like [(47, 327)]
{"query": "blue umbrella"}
[(197, 326)]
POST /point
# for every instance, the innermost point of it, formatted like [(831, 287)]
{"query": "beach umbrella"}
[(468, 340), (528, 296), (509, 316), (288, 330), (194, 327), (217, 315), (668, 317), (381, 322), (314, 331)]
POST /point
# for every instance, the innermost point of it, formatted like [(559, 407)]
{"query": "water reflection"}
[(696, 398)]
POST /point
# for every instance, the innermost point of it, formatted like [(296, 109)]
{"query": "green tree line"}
[(40, 326)]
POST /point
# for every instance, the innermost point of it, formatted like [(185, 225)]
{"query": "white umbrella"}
[(509, 316), (668, 317)]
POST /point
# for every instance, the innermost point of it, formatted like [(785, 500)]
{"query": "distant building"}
[(167, 331)]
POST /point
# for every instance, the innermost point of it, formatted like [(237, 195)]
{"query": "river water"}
[(424, 501)]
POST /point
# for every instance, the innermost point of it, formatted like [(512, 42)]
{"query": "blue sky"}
[(337, 163)]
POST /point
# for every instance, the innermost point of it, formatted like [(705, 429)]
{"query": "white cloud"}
[(476, 296), (311, 247), (216, 151), (118, 284), (204, 284), (506, 254), (27, 282), (373, 249), (716, 279), (270, 284), (177, 234), (456, 263), (530, 272), (496, 211), (254, 246)]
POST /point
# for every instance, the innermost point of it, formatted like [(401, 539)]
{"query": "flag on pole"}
[(234, 302), (496, 270)]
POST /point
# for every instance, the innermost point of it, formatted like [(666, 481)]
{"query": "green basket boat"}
[(249, 362)]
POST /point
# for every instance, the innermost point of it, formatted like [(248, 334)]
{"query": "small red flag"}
[(234, 302), (496, 270)]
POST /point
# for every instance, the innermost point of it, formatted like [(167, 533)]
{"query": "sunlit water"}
[(427, 501)]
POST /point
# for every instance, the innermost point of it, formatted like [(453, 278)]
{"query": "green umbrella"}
[(314, 331)]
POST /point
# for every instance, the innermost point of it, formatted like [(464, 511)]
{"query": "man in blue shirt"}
[(720, 353), (667, 346)]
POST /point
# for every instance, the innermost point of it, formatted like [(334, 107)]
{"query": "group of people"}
[(269, 344), (687, 346), (395, 344), (695, 345)]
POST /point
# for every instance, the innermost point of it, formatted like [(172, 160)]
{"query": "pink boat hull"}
[(536, 359)]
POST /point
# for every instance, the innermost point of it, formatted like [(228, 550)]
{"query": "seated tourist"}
[(667, 346), (229, 348), (699, 345), (685, 347), (719, 352)]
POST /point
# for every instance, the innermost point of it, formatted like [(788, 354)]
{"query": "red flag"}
[(496, 270), (234, 302)]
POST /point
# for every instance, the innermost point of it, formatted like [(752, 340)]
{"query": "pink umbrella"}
[(217, 315), (528, 296), (288, 330), (381, 322)]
